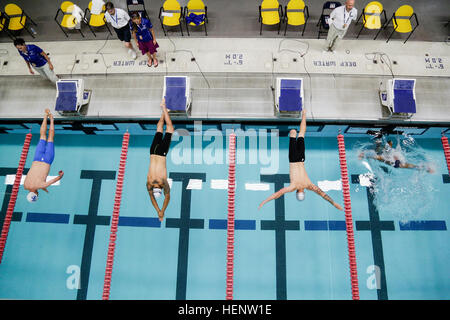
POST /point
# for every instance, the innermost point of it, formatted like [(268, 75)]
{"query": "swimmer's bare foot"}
[(361, 155), (160, 215), (47, 111)]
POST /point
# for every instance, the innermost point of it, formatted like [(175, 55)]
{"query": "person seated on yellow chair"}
[(36, 57)]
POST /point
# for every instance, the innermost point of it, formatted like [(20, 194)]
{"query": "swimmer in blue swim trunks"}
[(395, 162), (43, 158)]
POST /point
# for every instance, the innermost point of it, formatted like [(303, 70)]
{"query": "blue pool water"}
[(56, 248)]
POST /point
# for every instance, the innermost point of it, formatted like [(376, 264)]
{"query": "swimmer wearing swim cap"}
[(157, 172), (157, 192), (395, 162), (300, 196), (299, 179), (32, 197), (36, 177)]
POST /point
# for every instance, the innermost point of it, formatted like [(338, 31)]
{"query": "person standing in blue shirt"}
[(142, 31), (35, 57)]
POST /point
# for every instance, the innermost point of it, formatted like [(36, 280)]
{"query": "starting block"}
[(177, 93), (71, 96), (399, 96), (289, 97)]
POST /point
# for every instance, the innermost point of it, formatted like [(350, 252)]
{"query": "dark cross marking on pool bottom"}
[(445, 178), (92, 220), (184, 223), (375, 226), (79, 127), (17, 216), (279, 225)]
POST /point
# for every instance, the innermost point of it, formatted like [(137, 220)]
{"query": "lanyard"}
[(116, 19), (349, 16)]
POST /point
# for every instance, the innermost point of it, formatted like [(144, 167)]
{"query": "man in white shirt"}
[(119, 19), (340, 19)]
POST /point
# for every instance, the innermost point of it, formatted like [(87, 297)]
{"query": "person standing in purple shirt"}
[(142, 30), (35, 57)]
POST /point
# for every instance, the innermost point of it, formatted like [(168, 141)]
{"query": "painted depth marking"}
[(9, 179)]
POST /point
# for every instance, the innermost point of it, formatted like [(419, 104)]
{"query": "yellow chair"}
[(270, 13), (68, 20), (197, 8), (401, 20), (4, 22), (96, 20), (171, 15), (372, 17), (17, 18), (294, 14)]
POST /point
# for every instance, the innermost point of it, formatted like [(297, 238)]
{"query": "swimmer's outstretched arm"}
[(49, 183), (277, 194), (166, 197), (155, 204), (321, 193), (152, 199), (303, 124), (377, 157)]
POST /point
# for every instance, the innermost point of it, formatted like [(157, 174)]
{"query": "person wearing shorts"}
[(36, 57), (296, 149), (119, 20), (36, 177), (157, 172), (299, 180), (142, 31), (160, 145)]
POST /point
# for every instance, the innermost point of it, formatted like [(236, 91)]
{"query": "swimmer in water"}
[(297, 173), (395, 162)]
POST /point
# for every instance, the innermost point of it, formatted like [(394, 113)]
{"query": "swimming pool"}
[(56, 248)]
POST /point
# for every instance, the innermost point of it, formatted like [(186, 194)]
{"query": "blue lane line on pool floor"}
[(429, 225), (332, 225), (238, 224), (221, 224), (139, 222), (48, 217)]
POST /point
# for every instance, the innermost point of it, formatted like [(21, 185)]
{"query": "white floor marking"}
[(329, 185), (194, 184), (9, 179), (257, 186), (221, 184), (365, 179)]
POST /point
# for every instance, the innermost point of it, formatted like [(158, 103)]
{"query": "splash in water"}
[(406, 193)]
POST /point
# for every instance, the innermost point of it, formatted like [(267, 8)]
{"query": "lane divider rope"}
[(13, 197), (230, 225), (348, 218), (446, 147), (115, 217)]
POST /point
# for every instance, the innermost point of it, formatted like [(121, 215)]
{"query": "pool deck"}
[(233, 76)]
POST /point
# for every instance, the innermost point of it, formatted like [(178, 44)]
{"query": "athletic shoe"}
[(132, 53)]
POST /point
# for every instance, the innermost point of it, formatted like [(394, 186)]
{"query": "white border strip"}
[(9, 179)]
